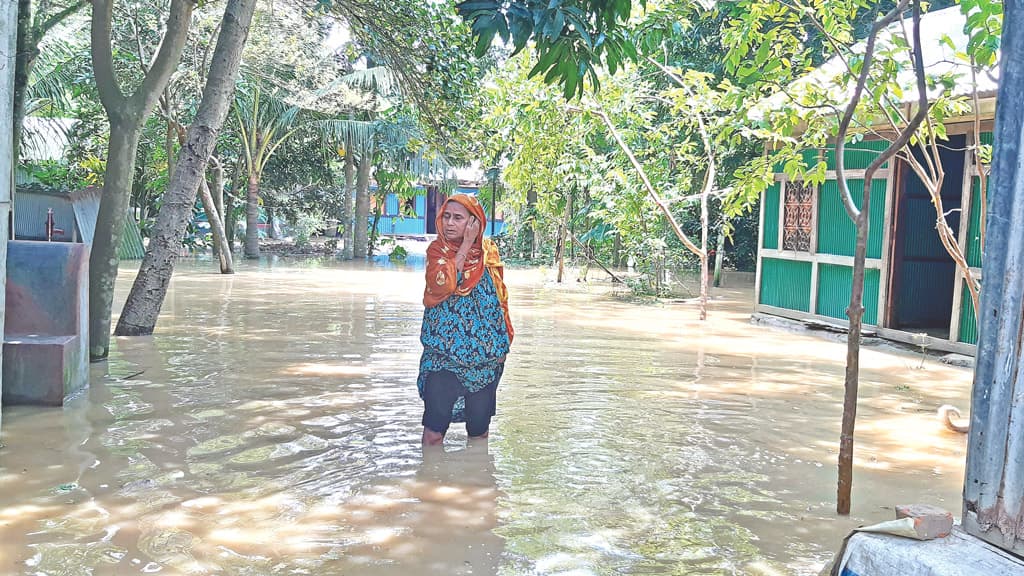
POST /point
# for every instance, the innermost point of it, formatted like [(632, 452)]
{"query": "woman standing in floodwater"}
[(466, 330)]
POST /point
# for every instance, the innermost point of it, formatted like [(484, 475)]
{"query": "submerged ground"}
[(272, 427)]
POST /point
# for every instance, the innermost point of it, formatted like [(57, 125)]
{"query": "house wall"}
[(815, 284), (965, 322), (394, 223)]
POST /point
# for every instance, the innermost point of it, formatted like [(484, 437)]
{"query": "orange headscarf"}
[(442, 279)]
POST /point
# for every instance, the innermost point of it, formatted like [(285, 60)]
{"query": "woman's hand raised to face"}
[(471, 232)]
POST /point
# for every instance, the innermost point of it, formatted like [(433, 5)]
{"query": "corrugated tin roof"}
[(131, 242), (939, 59), (87, 210)]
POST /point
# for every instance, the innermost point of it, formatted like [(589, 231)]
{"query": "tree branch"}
[(143, 59), (922, 102), (57, 18), (111, 97), (844, 125), (167, 57), (647, 183), (846, 63)]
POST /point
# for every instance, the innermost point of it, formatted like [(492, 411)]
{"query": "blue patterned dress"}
[(467, 336)]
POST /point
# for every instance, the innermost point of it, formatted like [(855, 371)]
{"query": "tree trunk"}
[(147, 295), (127, 116), (220, 242), (273, 231), (360, 228), (719, 256), (217, 193), (103, 257), (205, 189), (855, 313), (617, 250), (252, 216), (230, 221), (373, 235), (169, 136), (563, 230), (25, 56), (347, 206), (704, 253), (531, 204), (559, 240)]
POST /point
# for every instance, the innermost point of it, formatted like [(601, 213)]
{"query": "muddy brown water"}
[(272, 427)]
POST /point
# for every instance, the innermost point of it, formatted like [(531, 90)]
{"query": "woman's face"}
[(453, 221)]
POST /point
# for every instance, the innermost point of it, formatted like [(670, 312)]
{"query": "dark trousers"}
[(440, 393)]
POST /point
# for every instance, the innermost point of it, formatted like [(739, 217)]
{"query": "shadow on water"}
[(272, 427)]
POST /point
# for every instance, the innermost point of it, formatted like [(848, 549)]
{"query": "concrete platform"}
[(46, 327), (959, 554)]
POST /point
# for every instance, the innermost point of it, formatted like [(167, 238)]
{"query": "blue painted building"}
[(416, 216)]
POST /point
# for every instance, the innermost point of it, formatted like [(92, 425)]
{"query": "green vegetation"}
[(607, 133)]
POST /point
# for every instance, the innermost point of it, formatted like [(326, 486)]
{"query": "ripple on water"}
[(275, 430)]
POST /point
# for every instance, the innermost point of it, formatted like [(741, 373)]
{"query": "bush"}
[(305, 225), (398, 254)]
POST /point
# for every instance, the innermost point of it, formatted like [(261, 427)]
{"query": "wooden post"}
[(994, 480), (8, 38)]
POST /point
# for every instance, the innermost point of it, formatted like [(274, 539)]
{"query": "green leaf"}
[(554, 26), (547, 59), (502, 27), (571, 80), (762, 54), (470, 7), (483, 42), (521, 28)]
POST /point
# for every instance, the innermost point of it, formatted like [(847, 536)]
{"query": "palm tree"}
[(265, 121)]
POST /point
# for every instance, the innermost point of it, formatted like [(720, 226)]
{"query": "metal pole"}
[(8, 41), (994, 481)]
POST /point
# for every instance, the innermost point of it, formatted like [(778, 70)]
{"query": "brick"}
[(930, 522)]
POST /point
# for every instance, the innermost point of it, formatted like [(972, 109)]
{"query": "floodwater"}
[(272, 427)]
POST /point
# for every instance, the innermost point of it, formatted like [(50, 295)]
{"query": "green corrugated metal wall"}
[(786, 284), (857, 154), (771, 217), (834, 282), (836, 233), (974, 223), (968, 322), (131, 242)]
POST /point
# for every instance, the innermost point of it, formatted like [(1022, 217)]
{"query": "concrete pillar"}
[(994, 481), (8, 38)]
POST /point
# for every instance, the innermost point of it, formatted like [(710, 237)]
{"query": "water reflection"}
[(272, 427)]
